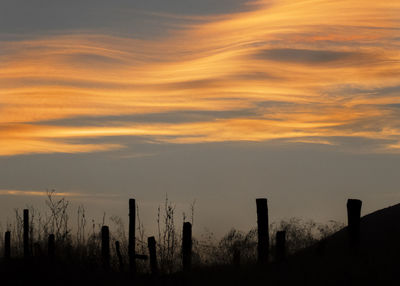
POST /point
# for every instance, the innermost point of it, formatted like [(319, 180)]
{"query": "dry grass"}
[(83, 246)]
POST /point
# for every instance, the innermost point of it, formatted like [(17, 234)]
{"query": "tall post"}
[(119, 255), (132, 241), (280, 246), (105, 247), (51, 247), (236, 257), (37, 250), (353, 218), (7, 245), (26, 234), (263, 231), (187, 246), (151, 243)]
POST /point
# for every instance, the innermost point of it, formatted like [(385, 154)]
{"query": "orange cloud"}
[(317, 68)]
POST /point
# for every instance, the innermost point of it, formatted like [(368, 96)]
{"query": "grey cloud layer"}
[(306, 56), (141, 18)]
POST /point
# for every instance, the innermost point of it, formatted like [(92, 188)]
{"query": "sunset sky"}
[(214, 101)]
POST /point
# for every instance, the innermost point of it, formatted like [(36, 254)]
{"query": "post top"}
[(354, 202), (187, 224)]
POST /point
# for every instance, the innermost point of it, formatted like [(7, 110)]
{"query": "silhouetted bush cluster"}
[(83, 245)]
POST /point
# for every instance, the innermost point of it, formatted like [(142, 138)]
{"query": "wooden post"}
[(120, 260), (51, 246), (151, 243), (7, 245), (280, 246), (105, 247), (26, 234), (236, 257), (321, 246), (132, 241), (263, 231), (353, 218), (187, 246), (37, 250)]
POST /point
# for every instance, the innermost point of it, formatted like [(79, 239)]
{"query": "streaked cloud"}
[(311, 57), (304, 71), (38, 193)]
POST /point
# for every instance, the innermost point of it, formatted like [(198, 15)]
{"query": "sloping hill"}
[(380, 236), (334, 262)]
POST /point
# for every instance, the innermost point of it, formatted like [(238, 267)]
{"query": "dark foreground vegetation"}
[(43, 249)]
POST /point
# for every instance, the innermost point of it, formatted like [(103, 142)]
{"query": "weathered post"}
[(105, 247), (26, 234), (151, 243), (120, 260), (7, 245), (353, 218), (321, 246), (187, 246), (236, 257), (132, 241), (37, 250), (280, 246), (51, 247), (263, 231)]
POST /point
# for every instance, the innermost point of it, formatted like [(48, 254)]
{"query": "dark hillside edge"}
[(375, 263)]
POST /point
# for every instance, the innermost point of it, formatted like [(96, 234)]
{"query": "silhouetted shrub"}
[(83, 247), (301, 234)]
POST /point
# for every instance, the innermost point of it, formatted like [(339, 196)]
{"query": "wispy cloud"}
[(312, 57), (333, 67), (38, 193)]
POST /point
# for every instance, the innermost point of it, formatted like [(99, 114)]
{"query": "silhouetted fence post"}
[(151, 243), (37, 250), (263, 231), (51, 247), (280, 246), (26, 234), (105, 247), (321, 246), (7, 245), (120, 260), (132, 228), (187, 246), (236, 257), (353, 218)]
